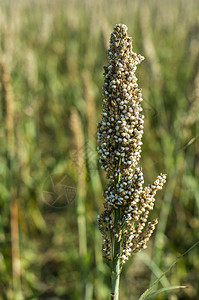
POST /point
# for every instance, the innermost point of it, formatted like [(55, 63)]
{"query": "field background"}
[(52, 55)]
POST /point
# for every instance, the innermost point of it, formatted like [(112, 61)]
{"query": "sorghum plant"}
[(124, 222)]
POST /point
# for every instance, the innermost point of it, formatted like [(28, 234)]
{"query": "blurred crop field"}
[(52, 54)]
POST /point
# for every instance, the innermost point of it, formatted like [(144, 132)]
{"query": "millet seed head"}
[(119, 135)]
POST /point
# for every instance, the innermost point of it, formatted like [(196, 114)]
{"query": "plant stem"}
[(115, 280), (116, 268)]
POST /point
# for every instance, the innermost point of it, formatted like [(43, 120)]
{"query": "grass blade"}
[(148, 291), (165, 290)]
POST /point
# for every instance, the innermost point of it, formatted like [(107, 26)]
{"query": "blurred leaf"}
[(34, 296)]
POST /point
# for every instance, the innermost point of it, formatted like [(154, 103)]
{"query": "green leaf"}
[(34, 296), (148, 291), (164, 290)]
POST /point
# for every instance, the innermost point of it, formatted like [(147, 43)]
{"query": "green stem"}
[(116, 267), (115, 280)]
